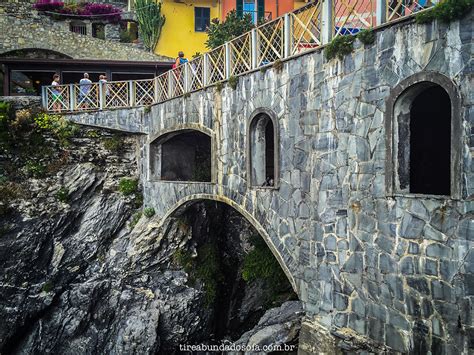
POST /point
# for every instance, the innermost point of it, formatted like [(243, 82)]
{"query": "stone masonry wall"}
[(371, 267), (21, 27)]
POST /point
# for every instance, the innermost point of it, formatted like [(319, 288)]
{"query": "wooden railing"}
[(292, 34)]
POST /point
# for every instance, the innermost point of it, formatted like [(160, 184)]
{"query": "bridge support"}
[(327, 23)]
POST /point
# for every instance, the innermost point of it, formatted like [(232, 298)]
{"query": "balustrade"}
[(292, 34)]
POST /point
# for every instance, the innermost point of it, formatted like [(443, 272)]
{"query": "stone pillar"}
[(112, 32), (88, 28)]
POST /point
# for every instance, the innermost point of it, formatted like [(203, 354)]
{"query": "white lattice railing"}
[(296, 32)]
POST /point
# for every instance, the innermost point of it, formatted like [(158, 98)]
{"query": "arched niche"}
[(182, 155), (423, 129), (263, 149)]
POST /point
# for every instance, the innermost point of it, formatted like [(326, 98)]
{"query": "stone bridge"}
[(376, 255)]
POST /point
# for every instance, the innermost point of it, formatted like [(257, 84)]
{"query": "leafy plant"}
[(8, 192), (233, 82), (92, 134), (47, 286), (219, 87), (260, 263), (367, 37), (35, 169), (62, 194), (446, 11), (128, 186), (6, 111), (150, 20), (135, 219), (47, 5), (125, 36), (278, 65), (204, 267), (339, 47), (109, 12), (149, 212), (233, 26), (113, 144)]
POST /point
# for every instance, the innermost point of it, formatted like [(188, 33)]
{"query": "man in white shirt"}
[(85, 86)]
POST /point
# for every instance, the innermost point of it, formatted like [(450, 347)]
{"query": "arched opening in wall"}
[(430, 142), (98, 30), (425, 118), (228, 279), (263, 151), (78, 27), (183, 155)]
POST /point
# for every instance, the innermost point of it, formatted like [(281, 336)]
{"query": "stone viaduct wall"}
[(391, 270), (21, 27)]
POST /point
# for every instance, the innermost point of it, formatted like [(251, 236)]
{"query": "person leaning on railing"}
[(85, 86), (104, 86), (56, 94)]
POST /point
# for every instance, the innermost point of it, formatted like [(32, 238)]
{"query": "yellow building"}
[(185, 26)]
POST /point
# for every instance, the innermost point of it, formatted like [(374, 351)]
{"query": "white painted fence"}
[(296, 32)]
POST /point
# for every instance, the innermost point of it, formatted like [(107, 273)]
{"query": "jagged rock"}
[(278, 326)]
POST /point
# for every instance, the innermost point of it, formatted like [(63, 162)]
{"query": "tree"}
[(150, 21), (233, 26)]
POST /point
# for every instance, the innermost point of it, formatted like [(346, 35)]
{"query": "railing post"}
[(131, 93), (44, 98), (227, 58), (101, 95), (71, 97), (155, 91), (170, 84), (186, 78), (287, 27), (205, 70), (254, 49), (327, 25), (380, 11)]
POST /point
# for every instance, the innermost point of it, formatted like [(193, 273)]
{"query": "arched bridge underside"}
[(370, 252)]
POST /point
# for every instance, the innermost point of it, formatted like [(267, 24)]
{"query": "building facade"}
[(35, 46), (187, 20)]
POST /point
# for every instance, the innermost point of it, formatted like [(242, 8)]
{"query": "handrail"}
[(304, 29)]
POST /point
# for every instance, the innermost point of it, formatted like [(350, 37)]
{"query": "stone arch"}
[(397, 127), (190, 199), (257, 147), (158, 139), (35, 53)]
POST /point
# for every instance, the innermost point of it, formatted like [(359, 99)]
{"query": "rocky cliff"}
[(83, 271)]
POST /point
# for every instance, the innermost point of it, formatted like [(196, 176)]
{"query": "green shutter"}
[(239, 7), (261, 9)]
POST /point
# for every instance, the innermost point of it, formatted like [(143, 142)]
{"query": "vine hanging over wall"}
[(151, 22)]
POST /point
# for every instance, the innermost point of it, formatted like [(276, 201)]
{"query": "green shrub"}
[(135, 218), (367, 37), (205, 267), (113, 144), (6, 111), (149, 212), (47, 286), (219, 87), (339, 47), (128, 186), (62, 194), (8, 192), (92, 134), (446, 11), (278, 65), (56, 124), (233, 81), (35, 169), (260, 263)]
